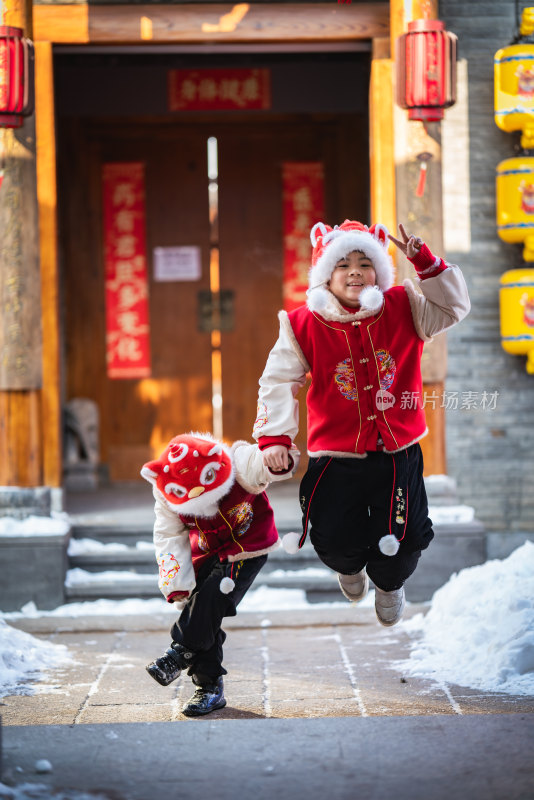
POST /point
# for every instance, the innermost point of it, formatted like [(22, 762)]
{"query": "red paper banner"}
[(303, 206), (219, 89), (127, 318)]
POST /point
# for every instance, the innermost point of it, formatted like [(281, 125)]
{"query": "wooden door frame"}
[(291, 24)]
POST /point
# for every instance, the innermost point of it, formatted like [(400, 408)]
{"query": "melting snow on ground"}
[(39, 791), (479, 631), (24, 657)]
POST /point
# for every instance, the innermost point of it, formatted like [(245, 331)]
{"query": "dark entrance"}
[(191, 368)]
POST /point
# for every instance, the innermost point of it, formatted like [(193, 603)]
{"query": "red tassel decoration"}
[(419, 192), (423, 158)]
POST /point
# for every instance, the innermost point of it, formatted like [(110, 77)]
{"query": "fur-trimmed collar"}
[(323, 302)]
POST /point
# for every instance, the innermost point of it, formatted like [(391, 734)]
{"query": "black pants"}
[(350, 512), (199, 625)]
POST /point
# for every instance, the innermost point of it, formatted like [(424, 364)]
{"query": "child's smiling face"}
[(352, 274)]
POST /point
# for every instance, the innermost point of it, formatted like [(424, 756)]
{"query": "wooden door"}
[(137, 417), (251, 237)]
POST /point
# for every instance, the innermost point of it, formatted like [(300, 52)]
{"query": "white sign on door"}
[(177, 264)]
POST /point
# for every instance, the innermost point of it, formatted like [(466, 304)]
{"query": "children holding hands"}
[(363, 496)]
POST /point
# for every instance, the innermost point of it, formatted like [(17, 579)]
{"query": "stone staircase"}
[(120, 564), (118, 560)]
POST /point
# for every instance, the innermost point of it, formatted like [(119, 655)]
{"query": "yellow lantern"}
[(514, 91), (517, 314), (515, 203), (513, 69)]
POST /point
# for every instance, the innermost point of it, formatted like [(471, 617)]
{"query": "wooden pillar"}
[(20, 309), (381, 137), (413, 143), (48, 237)]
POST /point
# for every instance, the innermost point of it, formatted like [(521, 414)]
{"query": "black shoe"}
[(205, 699), (166, 669)]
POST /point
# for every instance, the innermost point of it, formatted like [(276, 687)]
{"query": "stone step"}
[(455, 547), (129, 525), (131, 534), (82, 586), (441, 490), (140, 559), (113, 533), (113, 550)]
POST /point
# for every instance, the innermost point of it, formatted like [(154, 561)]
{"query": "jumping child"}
[(361, 338)]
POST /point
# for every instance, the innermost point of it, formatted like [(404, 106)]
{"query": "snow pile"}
[(57, 525), (90, 608), (24, 657), (82, 547), (82, 577), (479, 631), (267, 598)]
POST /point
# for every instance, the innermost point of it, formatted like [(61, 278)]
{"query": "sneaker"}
[(389, 606), (354, 587), (166, 669), (206, 698)]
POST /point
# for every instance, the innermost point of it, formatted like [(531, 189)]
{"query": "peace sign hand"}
[(410, 245)]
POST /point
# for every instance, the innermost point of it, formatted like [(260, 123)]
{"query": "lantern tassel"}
[(419, 192), (423, 159)]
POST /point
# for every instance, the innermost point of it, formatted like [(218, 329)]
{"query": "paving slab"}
[(315, 706), (331, 666)]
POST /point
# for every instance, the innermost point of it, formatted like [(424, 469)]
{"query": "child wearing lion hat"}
[(214, 528)]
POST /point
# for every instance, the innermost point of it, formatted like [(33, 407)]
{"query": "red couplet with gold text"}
[(126, 281), (303, 206)]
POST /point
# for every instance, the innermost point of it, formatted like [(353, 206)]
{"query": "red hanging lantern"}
[(426, 69), (16, 77)]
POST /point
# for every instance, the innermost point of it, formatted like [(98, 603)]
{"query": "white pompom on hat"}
[(371, 297), (332, 244)]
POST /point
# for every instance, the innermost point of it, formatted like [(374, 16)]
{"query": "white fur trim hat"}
[(332, 244)]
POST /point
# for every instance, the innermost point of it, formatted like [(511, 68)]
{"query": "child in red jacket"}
[(213, 532), (361, 338)]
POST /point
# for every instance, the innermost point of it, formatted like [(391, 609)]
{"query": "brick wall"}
[(490, 452)]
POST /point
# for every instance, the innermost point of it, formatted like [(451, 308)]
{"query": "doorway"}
[(202, 377)]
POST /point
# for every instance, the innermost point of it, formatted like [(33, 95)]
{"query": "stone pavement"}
[(314, 707)]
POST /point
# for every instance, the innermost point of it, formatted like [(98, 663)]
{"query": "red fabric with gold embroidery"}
[(243, 524), (366, 378)]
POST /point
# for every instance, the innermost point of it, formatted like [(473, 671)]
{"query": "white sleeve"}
[(284, 374), (173, 552), (444, 302), (250, 471)]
